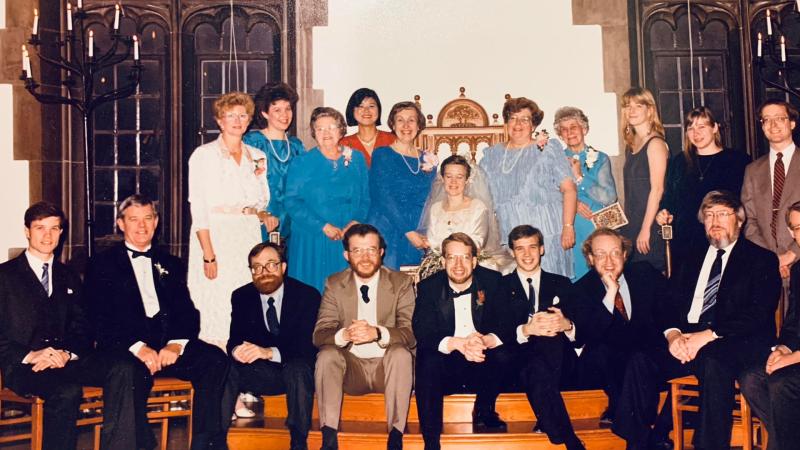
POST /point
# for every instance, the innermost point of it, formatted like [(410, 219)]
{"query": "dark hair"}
[(721, 198), (456, 160), (43, 210), (324, 111), (355, 100), (515, 105), (462, 238), (261, 246), (791, 111), (402, 106), (362, 229), (795, 207), (269, 94), (586, 249), (135, 200), (524, 231)]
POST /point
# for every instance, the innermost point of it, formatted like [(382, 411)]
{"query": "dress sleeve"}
[(296, 205), (362, 203), (198, 195), (601, 188), (477, 226)]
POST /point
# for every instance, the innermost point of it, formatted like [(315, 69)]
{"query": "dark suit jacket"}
[(116, 305), (550, 286), (22, 297), (790, 332), (747, 297), (298, 315), (435, 317), (594, 324)]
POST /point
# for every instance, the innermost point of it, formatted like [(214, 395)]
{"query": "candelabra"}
[(79, 64), (771, 60)]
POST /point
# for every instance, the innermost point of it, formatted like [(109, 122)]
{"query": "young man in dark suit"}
[(719, 320), (140, 304), (46, 341), (272, 320), (458, 323), (543, 333)]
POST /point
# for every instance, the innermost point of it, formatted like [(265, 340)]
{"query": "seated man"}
[(140, 304), (46, 341), (543, 334), (364, 336), (272, 320), (773, 386), (457, 321), (719, 320)]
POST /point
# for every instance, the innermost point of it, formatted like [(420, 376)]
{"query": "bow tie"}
[(137, 253), (454, 293)]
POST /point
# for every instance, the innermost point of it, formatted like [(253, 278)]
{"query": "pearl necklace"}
[(403, 157), (516, 160), (275, 152)]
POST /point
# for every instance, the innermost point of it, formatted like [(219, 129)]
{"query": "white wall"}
[(432, 47)]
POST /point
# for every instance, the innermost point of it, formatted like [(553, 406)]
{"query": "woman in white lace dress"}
[(228, 194)]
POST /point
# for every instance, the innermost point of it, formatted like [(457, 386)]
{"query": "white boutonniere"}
[(162, 272), (591, 157), (429, 161), (347, 152)]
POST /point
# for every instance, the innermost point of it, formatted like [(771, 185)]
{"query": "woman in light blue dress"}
[(531, 183), (274, 113), (327, 191), (400, 180), (592, 172)]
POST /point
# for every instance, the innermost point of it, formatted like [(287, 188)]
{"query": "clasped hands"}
[(473, 347), (157, 360), (360, 332), (47, 358), (546, 323), (684, 346), (335, 233), (780, 358), (247, 353)]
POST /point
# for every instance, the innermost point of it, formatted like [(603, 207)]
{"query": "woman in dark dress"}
[(703, 166)]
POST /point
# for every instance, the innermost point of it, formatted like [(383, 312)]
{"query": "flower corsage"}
[(591, 157), (162, 272), (541, 138), (261, 166), (347, 152), (481, 297), (429, 161)]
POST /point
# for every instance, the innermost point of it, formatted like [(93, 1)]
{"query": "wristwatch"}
[(378, 339)]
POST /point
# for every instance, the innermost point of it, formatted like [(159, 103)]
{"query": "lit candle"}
[(26, 63), (759, 43), (783, 49), (36, 21), (769, 24), (91, 43), (116, 17), (798, 5), (69, 16), (135, 48)]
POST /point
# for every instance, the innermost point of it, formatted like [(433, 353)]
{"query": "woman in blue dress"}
[(400, 180), (275, 104), (327, 191), (592, 172), (531, 183)]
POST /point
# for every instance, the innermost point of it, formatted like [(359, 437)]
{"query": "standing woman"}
[(533, 184), (646, 156), (592, 172), (364, 110), (702, 167), (399, 182), (327, 191), (228, 194), (275, 105)]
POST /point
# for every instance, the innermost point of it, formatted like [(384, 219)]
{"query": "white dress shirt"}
[(37, 264), (464, 324), (608, 300), (368, 312), (278, 297), (536, 280), (788, 152)]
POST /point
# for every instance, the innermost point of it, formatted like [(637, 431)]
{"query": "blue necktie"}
[(46, 279), (712, 287), (272, 317), (531, 296)]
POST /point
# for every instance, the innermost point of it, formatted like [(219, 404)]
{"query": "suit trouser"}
[(716, 366), (62, 393), (295, 378), (216, 386), (339, 371), (775, 399)]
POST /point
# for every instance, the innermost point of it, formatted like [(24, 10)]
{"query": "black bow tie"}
[(454, 293), (137, 253)]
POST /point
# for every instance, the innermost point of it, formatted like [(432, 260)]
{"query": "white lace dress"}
[(218, 191)]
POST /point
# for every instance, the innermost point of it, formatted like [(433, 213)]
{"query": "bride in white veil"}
[(460, 201)]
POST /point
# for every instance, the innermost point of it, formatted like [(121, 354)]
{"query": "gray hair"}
[(135, 200), (569, 113), (721, 198)]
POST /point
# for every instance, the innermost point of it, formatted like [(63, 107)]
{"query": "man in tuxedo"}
[(46, 341), (364, 336), (615, 310), (773, 385), (719, 320), (140, 304), (458, 324), (772, 183), (272, 320), (543, 333)]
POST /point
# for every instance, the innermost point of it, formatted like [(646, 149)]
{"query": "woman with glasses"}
[(702, 167), (228, 196), (399, 182), (327, 191), (531, 183), (364, 110)]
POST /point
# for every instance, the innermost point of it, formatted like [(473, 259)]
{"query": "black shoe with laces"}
[(487, 421)]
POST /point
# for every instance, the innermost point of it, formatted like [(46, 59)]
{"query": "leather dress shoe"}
[(487, 421), (395, 441), (605, 420)]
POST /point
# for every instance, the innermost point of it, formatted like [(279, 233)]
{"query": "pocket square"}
[(69, 291), (556, 300)]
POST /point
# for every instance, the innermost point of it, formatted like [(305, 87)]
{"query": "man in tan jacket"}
[(364, 336)]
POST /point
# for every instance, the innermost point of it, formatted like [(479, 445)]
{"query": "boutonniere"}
[(591, 157), (348, 155), (541, 138), (429, 161), (481, 297), (162, 272), (261, 166)]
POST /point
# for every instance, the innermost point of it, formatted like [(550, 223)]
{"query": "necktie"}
[(454, 293), (272, 317), (619, 305), (364, 293), (137, 253), (46, 278), (712, 287), (778, 178), (531, 296)]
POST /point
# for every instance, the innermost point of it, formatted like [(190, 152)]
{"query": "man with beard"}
[(458, 324), (272, 319), (719, 321), (364, 336)]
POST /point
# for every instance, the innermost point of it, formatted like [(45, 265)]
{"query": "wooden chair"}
[(30, 423)]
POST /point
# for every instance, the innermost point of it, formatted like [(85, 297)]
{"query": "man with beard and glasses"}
[(719, 320), (364, 336), (272, 319)]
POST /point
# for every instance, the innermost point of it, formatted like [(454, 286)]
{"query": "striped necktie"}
[(778, 178), (712, 287), (46, 278)]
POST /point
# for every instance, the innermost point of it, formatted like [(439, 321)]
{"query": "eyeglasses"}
[(719, 215), (370, 251), (774, 120), (329, 128), (615, 254), (524, 120), (270, 266), (233, 116), (452, 259)]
